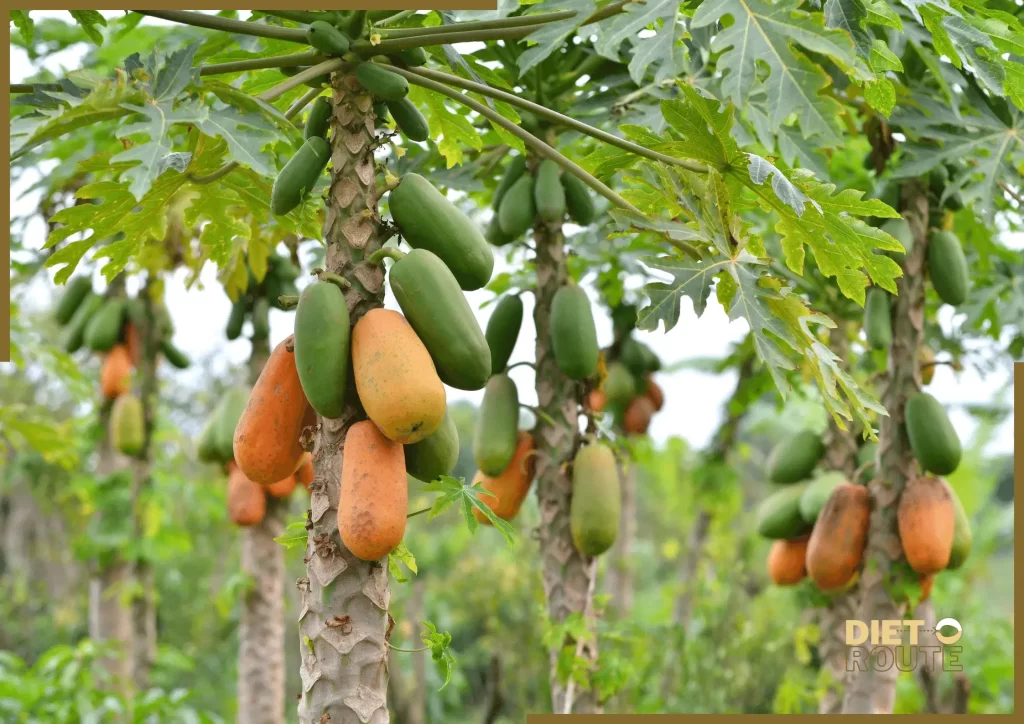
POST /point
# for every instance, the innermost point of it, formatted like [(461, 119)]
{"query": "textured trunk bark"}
[(343, 619), (417, 713), (568, 575), (261, 655), (620, 573), (872, 691)]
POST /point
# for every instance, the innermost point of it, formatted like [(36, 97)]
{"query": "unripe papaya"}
[(326, 38), (513, 172), (495, 235), (932, 437), (298, 177), (620, 385), (319, 119), (305, 474), (409, 120), (247, 503), (594, 508), (266, 441), (817, 494), (374, 493), (787, 561), (778, 515), (172, 354), (282, 488), (380, 111), (116, 372), (623, 320), (133, 343), (381, 82), (836, 547), (962, 537), (206, 446), (434, 455), (900, 230), (573, 336), (633, 355), (877, 320), (236, 319), (395, 377), (74, 332), (794, 458), (438, 311), (926, 521), (947, 267), (261, 318), (104, 329), (926, 362), (548, 192), (517, 209), (655, 394), (497, 426), (430, 221), (509, 489), (226, 416), (413, 57), (637, 417), (127, 425), (74, 294), (322, 347), (578, 202), (503, 331)]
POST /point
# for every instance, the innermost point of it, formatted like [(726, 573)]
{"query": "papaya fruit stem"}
[(213, 22), (419, 512), (304, 16), (336, 279), (392, 19), (524, 363), (407, 651), (288, 301), (378, 256)]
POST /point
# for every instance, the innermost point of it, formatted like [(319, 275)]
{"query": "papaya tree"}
[(707, 167)]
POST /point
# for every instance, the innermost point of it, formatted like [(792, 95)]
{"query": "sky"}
[(693, 400)]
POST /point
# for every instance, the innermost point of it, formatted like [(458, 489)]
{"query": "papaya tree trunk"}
[(840, 455), (261, 670), (620, 572), (343, 617), (568, 574), (872, 691)]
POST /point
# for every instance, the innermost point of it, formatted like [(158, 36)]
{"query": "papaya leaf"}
[(25, 25), (89, 19), (455, 491), (398, 557), (151, 155), (850, 15), (659, 51), (452, 128), (547, 38), (439, 643), (294, 535)]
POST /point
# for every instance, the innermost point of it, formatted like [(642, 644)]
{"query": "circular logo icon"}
[(944, 639)]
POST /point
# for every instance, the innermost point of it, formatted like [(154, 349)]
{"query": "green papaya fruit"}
[(380, 110), (619, 385), (962, 537), (595, 506), (632, 354), (623, 320), (548, 192), (173, 355), (794, 458), (899, 229), (947, 267), (954, 202), (299, 175), (413, 57), (322, 347), (778, 515), (236, 319), (652, 360), (495, 235), (261, 318), (437, 310), (381, 82), (513, 172), (281, 267), (104, 329), (74, 332), (326, 38), (435, 455), (497, 426), (573, 335), (932, 437), (319, 119), (431, 222), (578, 201), (206, 447), (409, 120), (228, 413), (127, 425), (877, 319), (135, 311), (517, 210), (817, 494), (503, 331), (75, 292)]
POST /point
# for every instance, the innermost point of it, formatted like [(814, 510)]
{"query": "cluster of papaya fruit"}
[(111, 326), (548, 194), (819, 520), (260, 297)]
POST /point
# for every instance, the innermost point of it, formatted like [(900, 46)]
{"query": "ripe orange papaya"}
[(836, 547), (787, 561), (374, 493), (396, 378), (116, 372), (133, 341), (511, 487), (304, 474), (247, 504), (597, 400), (926, 581), (655, 394), (282, 488), (926, 521), (638, 415), (266, 441)]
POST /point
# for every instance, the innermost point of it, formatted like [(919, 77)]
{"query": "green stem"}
[(589, 63), (524, 363), (288, 301), (213, 22), (328, 66), (408, 651), (277, 61), (302, 102), (517, 22), (556, 117), (304, 16), (31, 87), (341, 282), (529, 139), (419, 512), (382, 253), (396, 18)]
